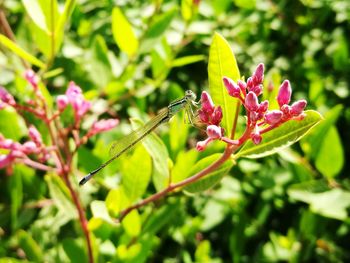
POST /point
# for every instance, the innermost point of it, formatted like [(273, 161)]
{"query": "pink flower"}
[(284, 93), (77, 100), (264, 105), (258, 75), (214, 132), (6, 160), (35, 136), (232, 88), (103, 125), (62, 102), (6, 98), (207, 102), (29, 147), (32, 78), (298, 107), (251, 102), (273, 117), (255, 136), (202, 145)]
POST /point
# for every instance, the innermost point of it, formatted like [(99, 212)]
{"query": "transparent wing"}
[(120, 146)]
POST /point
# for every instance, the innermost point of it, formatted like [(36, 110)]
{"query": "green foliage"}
[(132, 58)]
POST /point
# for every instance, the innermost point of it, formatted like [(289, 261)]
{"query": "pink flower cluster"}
[(20, 151), (259, 118), (17, 152)]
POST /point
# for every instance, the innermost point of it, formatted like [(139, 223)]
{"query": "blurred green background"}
[(290, 207)]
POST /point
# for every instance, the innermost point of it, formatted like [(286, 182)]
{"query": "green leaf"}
[(187, 9), (222, 63), (29, 246), (99, 210), (312, 144), (20, 52), (36, 13), (210, 179), (17, 129), (64, 17), (116, 201), (61, 196), (184, 160), (332, 203), (330, 158), (280, 137), (160, 24), (132, 223), (16, 191), (123, 33), (183, 61), (74, 250), (156, 148), (136, 171)]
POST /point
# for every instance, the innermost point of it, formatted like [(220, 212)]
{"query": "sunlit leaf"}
[(222, 63), (312, 144), (183, 61), (184, 160), (74, 250), (64, 17), (332, 203), (281, 137), (330, 158), (136, 171), (17, 129), (20, 52), (159, 153), (132, 223), (116, 201), (187, 9), (210, 179), (36, 13), (123, 33)]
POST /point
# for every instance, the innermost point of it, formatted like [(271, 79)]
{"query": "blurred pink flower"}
[(103, 125)]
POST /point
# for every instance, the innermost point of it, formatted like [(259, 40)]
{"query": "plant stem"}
[(224, 157), (82, 218)]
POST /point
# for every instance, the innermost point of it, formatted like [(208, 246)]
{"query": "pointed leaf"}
[(222, 63), (281, 137), (156, 148), (136, 173), (212, 178), (30, 246), (132, 223), (36, 13), (183, 61), (20, 52), (116, 201), (160, 24), (123, 33), (330, 158)]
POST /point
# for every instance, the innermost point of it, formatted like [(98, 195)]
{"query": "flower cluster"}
[(259, 118), (34, 152)]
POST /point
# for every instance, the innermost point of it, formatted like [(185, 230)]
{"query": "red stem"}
[(82, 218)]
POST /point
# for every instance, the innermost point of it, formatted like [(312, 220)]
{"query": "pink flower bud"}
[(250, 83), (216, 116), (286, 109), (207, 102), (62, 102), (273, 117), (255, 136), (32, 78), (6, 143), (201, 145), (203, 116), (214, 132), (73, 92), (264, 105), (5, 160), (298, 107), (258, 75), (103, 125), (251, 102), (6, 97), (243, 86), (35, 136), (284, 93), (232, 88), (29, 147), (257, 89), (81, 108)]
